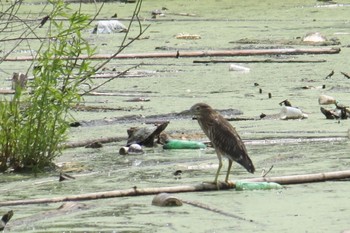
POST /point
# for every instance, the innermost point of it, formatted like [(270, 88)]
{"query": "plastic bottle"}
[(183, 144), (291, 113), (244, 185)]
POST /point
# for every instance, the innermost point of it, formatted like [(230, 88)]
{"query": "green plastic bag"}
[(183, 144)]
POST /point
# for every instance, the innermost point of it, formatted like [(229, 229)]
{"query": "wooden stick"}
[(215, 210), (293, 179), (209, 53)]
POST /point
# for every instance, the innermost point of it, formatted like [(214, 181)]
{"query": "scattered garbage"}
[(5, 219), (339, 112), (145, 136), (186, 36), (165, 199), (314, 37), (158, 12), (132, 149), (183, 144), (285, 103), (238, 68), (244, 185), (65, 176), (291, 113), (325, 100), (108, 27), (94, 145)]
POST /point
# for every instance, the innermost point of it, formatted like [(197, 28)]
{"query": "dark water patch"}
[(152, 118)]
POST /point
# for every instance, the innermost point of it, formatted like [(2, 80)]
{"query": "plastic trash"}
[(165, 199), (245, 185), (132, 149), (325, 100), (238, 68), (183, 144), (291, 113)]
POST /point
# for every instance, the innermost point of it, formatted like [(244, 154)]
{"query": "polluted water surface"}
[(172, 85)]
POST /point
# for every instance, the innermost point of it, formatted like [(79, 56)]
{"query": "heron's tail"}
[(247, 163)]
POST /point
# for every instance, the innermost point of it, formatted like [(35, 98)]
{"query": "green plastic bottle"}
[(183, 144), (244, 185)]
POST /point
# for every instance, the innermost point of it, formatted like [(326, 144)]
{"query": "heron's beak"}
[(188, 113)]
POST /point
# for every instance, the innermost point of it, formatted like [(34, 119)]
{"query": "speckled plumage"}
[(223, 136)]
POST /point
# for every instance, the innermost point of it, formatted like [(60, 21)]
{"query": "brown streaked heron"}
[(224, 138)]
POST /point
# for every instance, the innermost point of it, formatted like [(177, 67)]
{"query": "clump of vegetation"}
[(33, 123), (32, 126)]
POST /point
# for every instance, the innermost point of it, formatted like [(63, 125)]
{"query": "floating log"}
[(209, 53), (285, 180)]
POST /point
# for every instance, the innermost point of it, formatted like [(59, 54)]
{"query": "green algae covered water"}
[(175, 85)]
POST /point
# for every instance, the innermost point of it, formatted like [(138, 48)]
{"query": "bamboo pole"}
[(122, 193), (285, 180), (307, 178), (209, 53)]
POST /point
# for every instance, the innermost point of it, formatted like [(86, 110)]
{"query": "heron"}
[(224, 138)]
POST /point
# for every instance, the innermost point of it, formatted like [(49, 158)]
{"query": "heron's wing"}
[(225, 137), (227, 141)]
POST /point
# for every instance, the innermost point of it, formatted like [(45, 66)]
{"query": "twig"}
[(215, 210), (345, 74), (263, 174)]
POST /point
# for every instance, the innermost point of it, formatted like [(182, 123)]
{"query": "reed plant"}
[(33, 123)]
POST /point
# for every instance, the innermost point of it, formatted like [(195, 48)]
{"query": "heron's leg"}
[(228, 170), (219, 168)]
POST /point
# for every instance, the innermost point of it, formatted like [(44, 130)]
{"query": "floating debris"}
[(314, 37), (330, 74), (183, 144), (238, 68), (157, 12), (326, 100), (108, 27), (145, 136), (138, 99), (187, 36), (289, 113), (244, 185), (345, 74), (94, 145), (286, 103), (64, 176), (165, 199), (5, 219)]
